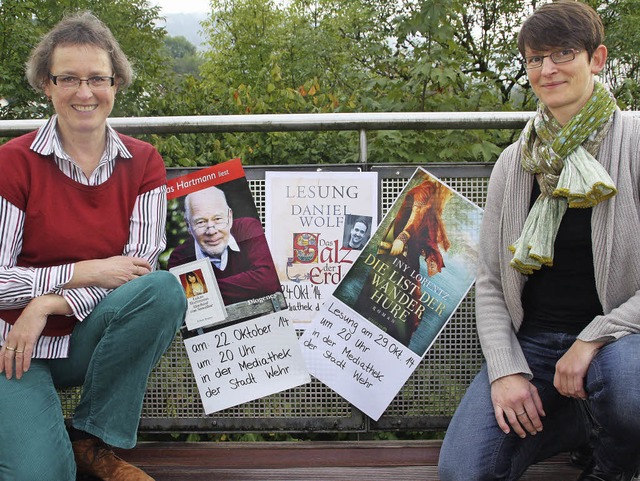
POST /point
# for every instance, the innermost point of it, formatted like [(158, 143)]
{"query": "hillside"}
[(186, 25)]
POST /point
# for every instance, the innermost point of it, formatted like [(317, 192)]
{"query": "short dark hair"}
[(562, 23), (362, 220), (82, 28)]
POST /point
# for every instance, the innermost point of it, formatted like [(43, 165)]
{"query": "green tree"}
[(18, 33), (622, 71), (458, 56), (262, 58), (316, 56), (186, 60), (375, 55)]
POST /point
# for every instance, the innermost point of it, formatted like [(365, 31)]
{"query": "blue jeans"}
[(111, 355), (475, 448)]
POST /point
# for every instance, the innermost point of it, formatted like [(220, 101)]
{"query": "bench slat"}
[(305, 460)]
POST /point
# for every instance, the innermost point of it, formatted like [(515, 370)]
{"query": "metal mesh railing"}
[(426, 402)]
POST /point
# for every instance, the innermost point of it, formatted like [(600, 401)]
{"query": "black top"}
[(563, 297)]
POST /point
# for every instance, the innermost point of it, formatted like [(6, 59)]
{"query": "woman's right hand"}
[(397, 247), (108, 273), (517, 405)]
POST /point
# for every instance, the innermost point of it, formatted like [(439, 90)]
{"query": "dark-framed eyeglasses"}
[(97, 82), (561, 56)]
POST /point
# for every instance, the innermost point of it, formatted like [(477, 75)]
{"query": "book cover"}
[(317, 223), (205, 306), (238, 337), (398, 296)]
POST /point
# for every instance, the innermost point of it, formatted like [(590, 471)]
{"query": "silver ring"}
[(523, 412)]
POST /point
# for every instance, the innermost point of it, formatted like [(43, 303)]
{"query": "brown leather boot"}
[(95, 458)]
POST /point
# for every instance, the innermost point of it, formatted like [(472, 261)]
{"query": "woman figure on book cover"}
[(82, 223), (417, 232), (420, 233), (194, 285)]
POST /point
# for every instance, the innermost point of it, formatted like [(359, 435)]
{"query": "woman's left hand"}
[(18, 347), (572, 368)]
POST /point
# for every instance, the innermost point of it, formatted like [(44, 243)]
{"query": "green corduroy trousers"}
[(112, 354)]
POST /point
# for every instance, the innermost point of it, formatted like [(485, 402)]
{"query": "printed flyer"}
[(317, 224), (397, 297), (217, 248)]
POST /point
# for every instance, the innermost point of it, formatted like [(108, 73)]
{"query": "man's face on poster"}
[(358, 233), (210, 220)]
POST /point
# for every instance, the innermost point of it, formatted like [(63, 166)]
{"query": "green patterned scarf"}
[(563, 160)]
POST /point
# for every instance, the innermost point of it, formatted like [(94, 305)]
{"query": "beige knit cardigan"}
[(616, 251)]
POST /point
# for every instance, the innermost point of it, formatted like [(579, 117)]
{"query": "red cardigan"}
[(65, 221)]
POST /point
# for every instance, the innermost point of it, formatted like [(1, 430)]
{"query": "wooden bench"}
[(310, 461)]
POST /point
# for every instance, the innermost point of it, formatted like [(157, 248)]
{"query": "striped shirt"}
[(19, 285)]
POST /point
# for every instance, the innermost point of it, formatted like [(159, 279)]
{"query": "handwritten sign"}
[(303, 298), (246, 361), (365, 365)]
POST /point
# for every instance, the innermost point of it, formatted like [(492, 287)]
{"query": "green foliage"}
[(185, 58), (369, 56), (18, 34), (622, 72), (321, 56)]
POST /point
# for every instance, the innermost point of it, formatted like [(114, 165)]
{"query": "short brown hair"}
[(562, 23), (82, 28)]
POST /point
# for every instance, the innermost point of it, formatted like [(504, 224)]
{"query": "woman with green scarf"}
[(558, 286)]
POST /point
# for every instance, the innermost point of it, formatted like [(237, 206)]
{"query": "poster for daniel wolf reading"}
[(372, 333), (238, 334), (317, 224)]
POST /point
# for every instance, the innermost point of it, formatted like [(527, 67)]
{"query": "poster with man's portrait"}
[(216, 245), (213, 217)]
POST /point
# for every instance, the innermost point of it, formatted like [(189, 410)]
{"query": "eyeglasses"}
[(97, 82), (218, 222), (561, 56)]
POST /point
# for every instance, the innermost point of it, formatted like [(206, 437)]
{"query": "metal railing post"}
[(363, 146)]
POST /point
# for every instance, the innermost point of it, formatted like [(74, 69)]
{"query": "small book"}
[(205, 306)]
